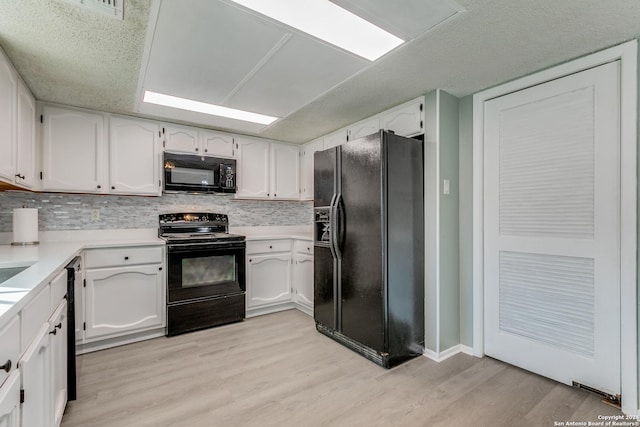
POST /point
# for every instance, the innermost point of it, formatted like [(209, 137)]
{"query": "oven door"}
[(205, 270)]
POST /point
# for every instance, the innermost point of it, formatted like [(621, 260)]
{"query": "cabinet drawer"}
[(34, 315), (304, 247), (266, 246), (58, 289), (112, 257), (10, 348)]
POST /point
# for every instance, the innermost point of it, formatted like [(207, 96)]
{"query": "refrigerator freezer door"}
[(324, 287), (362, 305), (325, 264), (324, 178)]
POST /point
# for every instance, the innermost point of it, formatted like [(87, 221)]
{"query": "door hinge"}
[(421, 106), (163, 131), (21, 395), (164, 143), (40, 175), (236, 145), (41, 118), (84, 283), (84, 326), (420, 124)]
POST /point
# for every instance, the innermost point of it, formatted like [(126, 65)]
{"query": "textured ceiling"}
[(76, 57)]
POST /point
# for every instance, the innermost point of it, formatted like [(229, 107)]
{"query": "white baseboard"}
[(82, 348), (466, 349), (444, 355)]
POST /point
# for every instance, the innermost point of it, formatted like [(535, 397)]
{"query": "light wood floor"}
[(276, 370)]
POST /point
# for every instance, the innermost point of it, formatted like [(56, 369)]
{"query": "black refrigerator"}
[(369, 246)]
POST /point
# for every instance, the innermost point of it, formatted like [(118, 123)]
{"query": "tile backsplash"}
[(78, 211)]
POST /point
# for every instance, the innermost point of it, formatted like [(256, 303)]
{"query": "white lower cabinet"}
[(58, 348), (123, 300), (279, 276), (268, 273), (43, 364), (9, 374), (303, 279), (269, 279), (10, 401), (35, 367), (124, 294)]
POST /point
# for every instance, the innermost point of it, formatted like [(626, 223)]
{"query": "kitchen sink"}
[(9, 272)]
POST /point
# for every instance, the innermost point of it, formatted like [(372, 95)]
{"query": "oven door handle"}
[(175, 248)]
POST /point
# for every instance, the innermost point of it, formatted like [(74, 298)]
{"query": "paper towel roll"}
[(25, 226)]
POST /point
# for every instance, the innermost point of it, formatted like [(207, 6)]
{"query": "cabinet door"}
[(35, 367), (216, 143), (304, 279), (10, 347), (181, 139), (8, 88), (307, 168), (285, 171), (268, 279), (363, 128), (58, 349), (122, 300), (253, 168), (10, 401), (406, 119), (133, 157), (72, 151), (335, 139), (26, 137)]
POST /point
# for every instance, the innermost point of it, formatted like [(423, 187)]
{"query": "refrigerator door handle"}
[(332, 225), (337, 228)]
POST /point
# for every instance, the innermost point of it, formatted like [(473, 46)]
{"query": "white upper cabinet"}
[(335, 139), (252, 169), (8, 88), (406, 119), (363, 128), (216, 143), (26, 137), (181, 138), (307, 167), (73, 150), (267, 170), (285, 167), (134, 160), (17, 128)]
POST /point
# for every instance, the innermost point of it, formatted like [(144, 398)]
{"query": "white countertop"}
[(58, 248), (47, 259)]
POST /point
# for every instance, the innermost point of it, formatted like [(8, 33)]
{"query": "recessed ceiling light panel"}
[(329, 22), (203, 107)]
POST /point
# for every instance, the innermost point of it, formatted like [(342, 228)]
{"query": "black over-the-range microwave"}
[(198, 174)]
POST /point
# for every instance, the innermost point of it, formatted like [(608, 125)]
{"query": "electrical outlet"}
[(95, 214)]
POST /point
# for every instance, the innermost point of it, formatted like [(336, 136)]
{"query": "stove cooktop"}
[(201, 237), (196, 228)]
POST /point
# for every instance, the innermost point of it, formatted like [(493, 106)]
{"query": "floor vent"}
[(611, 399), (114, 8)]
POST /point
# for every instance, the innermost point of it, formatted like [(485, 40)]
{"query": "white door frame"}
[(626, 53)]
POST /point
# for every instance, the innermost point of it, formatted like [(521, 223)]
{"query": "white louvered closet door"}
[(552, 228)]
